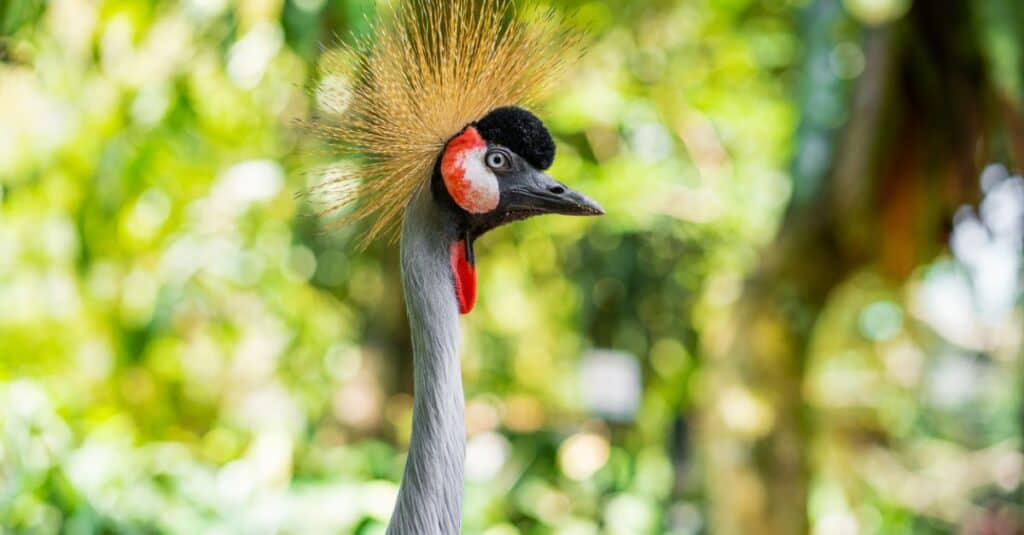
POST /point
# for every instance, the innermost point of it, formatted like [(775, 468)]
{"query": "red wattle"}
[(465, 277)]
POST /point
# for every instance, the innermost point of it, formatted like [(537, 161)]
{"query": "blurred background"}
[(802, 313)]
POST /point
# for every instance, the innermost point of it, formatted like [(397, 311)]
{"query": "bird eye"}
[(498, 160)]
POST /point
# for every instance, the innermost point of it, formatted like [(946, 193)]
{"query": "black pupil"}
[(497, 160)]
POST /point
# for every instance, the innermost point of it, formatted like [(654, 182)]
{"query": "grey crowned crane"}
[(432, 115)]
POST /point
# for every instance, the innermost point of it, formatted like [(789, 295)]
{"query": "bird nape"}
[(435, 115)]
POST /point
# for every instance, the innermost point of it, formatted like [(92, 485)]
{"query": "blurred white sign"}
[(610, 384)]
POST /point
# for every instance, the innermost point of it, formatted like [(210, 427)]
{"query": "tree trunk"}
[(921, 120)]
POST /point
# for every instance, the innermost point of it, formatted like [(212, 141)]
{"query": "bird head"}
[(431, 106), (492, 173)]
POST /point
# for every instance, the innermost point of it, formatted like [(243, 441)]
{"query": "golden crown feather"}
[(426, 70)]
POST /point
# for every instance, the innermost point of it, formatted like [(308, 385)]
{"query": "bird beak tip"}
[(588, 206)]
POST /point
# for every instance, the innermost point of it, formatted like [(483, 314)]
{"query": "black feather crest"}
[(520, 131)]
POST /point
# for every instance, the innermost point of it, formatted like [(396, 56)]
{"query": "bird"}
[(434, 117)]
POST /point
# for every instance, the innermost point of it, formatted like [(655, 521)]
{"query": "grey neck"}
[(430, 497)]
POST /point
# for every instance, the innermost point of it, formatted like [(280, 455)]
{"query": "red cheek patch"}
[(470, 182), (465, 277)]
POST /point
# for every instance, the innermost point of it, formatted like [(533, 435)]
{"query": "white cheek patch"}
[(470, 182), (477, 190)]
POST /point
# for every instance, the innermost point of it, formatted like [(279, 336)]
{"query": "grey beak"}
[(576, 203), (545, 195)]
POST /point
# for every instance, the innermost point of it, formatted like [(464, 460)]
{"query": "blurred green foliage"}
[(183, 349)]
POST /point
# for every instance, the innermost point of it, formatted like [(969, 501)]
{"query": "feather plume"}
[(426, 70)]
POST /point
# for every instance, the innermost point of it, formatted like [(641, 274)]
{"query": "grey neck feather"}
[(430, 497)]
